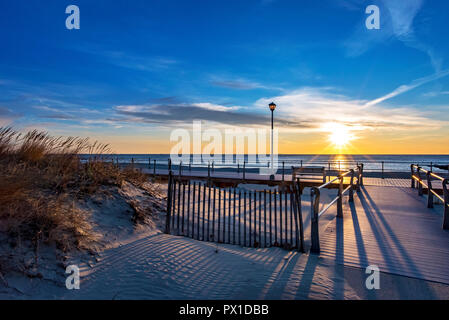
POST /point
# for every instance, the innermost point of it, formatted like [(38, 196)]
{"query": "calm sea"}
[(391, 163)]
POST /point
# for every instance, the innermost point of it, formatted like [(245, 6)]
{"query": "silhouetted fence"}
[(249, 218)]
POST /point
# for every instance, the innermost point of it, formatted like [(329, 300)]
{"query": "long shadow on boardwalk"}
[(368, 203)]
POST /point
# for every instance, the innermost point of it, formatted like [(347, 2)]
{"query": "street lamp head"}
[(272, 106)]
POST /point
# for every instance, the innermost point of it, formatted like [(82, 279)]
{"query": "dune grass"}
[(41, 178)]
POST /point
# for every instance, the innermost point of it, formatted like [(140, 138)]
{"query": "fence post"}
[(429, 191), (314, 208), (169, 203), (418, 171), (446, 204), (351, 189), (208, 170), (340, 198), (213, 167), (283, 170), (361, 174), (244, 169), (180, 168), (238, 167), (298, 215), (382, 170), (412, 171), (169, 164)]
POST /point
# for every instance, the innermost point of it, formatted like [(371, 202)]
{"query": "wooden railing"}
[(430, 176), (315, 201)]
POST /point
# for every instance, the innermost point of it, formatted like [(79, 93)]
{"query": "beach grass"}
[(42, 177)]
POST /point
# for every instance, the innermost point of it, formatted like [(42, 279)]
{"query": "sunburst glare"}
[(339, 134)]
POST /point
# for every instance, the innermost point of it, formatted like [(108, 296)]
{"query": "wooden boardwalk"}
[(258, 178), (390, 227), (387, 225)]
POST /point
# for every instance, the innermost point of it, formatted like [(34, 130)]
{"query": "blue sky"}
[(137, 69)]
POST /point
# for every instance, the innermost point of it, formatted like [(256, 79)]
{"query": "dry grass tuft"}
[(42, 176)]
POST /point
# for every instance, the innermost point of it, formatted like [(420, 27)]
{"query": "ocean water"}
[(373, 163)]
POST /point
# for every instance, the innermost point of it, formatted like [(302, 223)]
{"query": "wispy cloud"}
[(240, 84), (7, 116), (186, 113), (321, 106), (435, 94), (237, 84), (397, 22), (405, 88), (130, 60)]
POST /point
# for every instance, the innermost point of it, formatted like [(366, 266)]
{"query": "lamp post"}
[(272, 108)]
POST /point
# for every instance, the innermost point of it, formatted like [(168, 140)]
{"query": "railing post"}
[(429, 191), (213, 167), (419, 181), (283, 170), (314, 208), (340, 198), (169, 164), (361, 174), (351, 189), (154, 167), (169, 202), (180, 168), (357, 186), (208, 170), (446, 204), (412, 166), (244, 169), (382, 170)]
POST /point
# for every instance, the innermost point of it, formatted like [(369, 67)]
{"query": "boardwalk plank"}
[(393, 229)]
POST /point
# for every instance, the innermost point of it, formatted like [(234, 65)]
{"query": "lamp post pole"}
[(272, 108)]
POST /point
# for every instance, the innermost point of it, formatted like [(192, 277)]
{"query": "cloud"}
[(321, 106), (217, 107), (397, 20), (239, 84), (186, 113), (402, 14), (303, 110), (129, 60), (7, 116), (404, 88), (433, 94)]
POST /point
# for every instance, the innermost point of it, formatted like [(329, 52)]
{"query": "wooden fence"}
[(431, 192), (249, 218)]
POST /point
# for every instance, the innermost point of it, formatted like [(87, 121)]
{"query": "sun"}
[(339, 135)]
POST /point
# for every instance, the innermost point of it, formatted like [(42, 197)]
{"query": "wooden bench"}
[(309, 173)]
